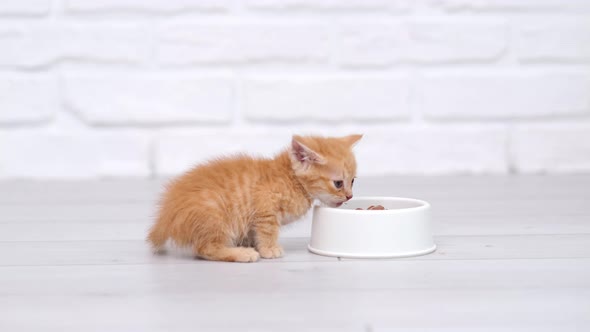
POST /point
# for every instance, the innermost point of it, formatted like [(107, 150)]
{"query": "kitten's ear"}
[(304, 154), (352, 140)]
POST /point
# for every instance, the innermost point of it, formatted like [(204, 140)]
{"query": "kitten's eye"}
[(338, 184), (351, 183)]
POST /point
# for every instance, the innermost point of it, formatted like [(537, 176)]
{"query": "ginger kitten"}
[(231, 209)]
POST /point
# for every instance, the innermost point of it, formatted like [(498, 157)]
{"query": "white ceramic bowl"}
[(402, 230)]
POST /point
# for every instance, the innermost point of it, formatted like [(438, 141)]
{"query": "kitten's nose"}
[(348, 197)]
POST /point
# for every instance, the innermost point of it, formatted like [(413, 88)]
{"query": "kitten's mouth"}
[(336, 204), (332, 202)]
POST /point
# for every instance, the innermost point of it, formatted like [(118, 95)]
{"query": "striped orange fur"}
[(231, 209)]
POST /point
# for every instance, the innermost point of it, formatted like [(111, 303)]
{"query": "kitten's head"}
[(325, 166)]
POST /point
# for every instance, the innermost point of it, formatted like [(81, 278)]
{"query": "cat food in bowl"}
[(373, 207), (373, 227)]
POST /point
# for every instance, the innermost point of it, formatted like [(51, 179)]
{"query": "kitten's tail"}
[(157, 238)]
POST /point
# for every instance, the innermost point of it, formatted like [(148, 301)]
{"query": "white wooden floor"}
[(514, 255)]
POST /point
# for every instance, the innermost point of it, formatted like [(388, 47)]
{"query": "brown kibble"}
[(373, 207)]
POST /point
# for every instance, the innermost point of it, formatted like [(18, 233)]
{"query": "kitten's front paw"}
[(271, 252), (247, 255)]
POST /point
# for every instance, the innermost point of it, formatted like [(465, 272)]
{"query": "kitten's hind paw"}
[(271, 252)]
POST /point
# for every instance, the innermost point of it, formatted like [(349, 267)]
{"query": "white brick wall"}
[(513, 5), (143, 6), (83, 155), (24, 7), (326, 98), (141, 88), (551, 148), (433, 40), (157, 99), (240, 43), (38, 45), (16, 104), (501, 94), (554, 41)]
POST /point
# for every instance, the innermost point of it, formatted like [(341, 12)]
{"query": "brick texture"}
[(185, 44), (150, 6), (325, 98), (48, 155), (514, 6), (24, 7), (36, 45), (551, 148), (149, 99), (433, 150), (555, 42), (144, 88), (504, 95), (378, 44), (329, 5), (176, 153), (17, 104)]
